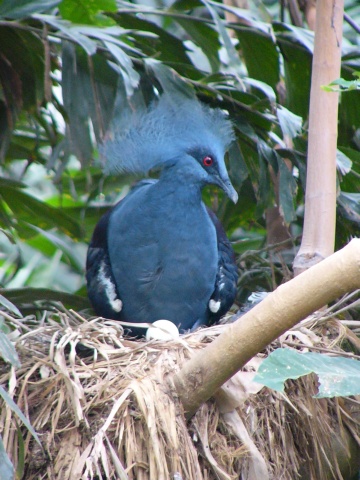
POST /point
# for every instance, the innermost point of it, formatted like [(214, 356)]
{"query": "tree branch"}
[(293, 301)]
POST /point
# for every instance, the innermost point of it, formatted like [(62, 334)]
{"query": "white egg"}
[(162, 330)]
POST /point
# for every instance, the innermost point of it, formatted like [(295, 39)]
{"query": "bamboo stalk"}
[(320, 199)]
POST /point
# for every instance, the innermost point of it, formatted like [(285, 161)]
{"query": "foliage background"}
[(67, 68)]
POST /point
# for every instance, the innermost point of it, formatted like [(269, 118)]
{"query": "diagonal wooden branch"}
[(293, 301)]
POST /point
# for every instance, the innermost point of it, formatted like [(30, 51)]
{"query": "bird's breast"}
[(164, 261)]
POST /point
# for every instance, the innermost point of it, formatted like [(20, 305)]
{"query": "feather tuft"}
[(167, 130)]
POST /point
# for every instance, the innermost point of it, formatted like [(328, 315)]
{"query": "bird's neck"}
[(177, 182)]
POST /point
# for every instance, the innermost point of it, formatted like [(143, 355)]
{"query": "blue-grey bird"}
[(160, 253)]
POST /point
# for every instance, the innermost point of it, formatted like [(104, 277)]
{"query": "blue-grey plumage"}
[(169, 128), (159, 253)]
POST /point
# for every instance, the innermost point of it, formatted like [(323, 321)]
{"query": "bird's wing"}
[(224, 292), (101, 284)]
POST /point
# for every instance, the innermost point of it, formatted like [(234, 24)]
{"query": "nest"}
[(116, 415)]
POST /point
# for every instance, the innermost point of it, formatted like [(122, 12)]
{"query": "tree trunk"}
[(320, 199)]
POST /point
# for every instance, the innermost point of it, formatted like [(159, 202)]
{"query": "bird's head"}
[(209, 167), (174, 130)]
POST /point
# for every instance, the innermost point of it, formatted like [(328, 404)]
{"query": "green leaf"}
[(287, 189), (350, 179), (36, 212), (296, 48), (165, 46), (244, 15), (260, 54), (22, 64), (23, 274), (265, 191), (253, 241), (10, 306), (112, 34), (349, 107), (262, 90), (203, 36), (342, 85), (101, 99), (352, 154), (35, 298), (169, 80), (234, 60), (20, 468), (343, 162), (243, 213), (6, 467), (25, 8), (289, 122), (49, 242), (186, 4), (8, 351), (10, 183), (70, 31), (298, 159), (350, 206), (75, 82), (124, 67), (11, 404), (338, 376), (238, 170), (88, 12)]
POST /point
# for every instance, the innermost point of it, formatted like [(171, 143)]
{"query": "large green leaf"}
[(90, 86), (163, 45), (6, 467), (203, 36), (10, 403), (25, 8), (4, 302), (350, 206), (89, 12), (296, 47), (168, 79), (31, 299), (350, 181), (8, 351), (261, 55), (123, 66), (233, 59), (289, 122), (349, 101), (35, 212), (241, 215), (72, 32), (338, 376), (75, 82), (287, 190), (21, 77), (50, 242)]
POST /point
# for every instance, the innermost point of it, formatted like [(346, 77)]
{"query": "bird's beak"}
[(230, 191)]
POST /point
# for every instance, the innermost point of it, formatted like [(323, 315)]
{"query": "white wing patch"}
[(214, 306), (110, 291)]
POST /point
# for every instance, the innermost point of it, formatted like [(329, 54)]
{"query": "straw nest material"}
[(115, 414)]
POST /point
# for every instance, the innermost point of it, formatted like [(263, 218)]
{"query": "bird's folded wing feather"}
[(227, 275), (101, 284)]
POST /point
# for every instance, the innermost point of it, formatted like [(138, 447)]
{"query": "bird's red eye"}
[(208, 161)]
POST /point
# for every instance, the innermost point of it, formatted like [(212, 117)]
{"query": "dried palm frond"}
[(115, 413)]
